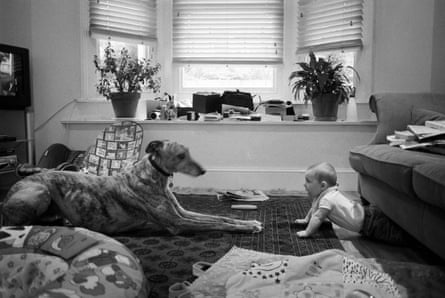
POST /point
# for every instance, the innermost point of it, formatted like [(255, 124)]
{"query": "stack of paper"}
[(419, 136), (438, 124), (405, 135), (423, 132)]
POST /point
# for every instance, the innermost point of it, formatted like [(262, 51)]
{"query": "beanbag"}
[(47, 261)]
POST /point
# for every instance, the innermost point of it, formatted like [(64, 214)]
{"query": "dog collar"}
[(157, 167)]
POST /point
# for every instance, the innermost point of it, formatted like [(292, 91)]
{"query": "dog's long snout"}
[(202, 172), (197, 169)]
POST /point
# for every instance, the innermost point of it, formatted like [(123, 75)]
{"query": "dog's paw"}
[(256, 226)]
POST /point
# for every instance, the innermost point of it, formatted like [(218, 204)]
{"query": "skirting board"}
[(264, 179)]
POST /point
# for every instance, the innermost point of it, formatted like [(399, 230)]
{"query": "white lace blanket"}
[(331, 273)]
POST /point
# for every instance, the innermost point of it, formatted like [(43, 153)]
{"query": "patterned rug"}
[(168, 259)]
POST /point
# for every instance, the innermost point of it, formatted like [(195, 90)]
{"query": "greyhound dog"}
[(136, 198)]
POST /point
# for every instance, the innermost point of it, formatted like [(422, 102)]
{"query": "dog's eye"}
[(181, 155)]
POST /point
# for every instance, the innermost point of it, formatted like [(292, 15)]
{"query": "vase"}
[(325, 107), (125, 104)]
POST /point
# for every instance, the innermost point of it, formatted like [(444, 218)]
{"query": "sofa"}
[(407, 185)]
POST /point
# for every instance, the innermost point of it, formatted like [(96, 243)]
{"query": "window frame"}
[(170, 70)]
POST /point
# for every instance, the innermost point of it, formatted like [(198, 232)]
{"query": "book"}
[(424, 133), (438, 124), (245, 195), (417, 145), (393, 140), (405, 135)]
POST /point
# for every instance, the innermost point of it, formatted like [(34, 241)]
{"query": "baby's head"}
[(319, 177)]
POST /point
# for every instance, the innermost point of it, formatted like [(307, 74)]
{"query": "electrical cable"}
[(53, 115)]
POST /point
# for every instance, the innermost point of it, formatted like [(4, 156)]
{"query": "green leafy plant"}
[(125, 74), (322, 76)]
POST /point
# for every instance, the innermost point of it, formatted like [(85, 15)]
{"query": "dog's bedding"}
[(168, 259), (39, 261)]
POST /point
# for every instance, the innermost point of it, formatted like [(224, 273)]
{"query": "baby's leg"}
[(378, 226)]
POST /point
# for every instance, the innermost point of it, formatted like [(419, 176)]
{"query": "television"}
[(14, 78)]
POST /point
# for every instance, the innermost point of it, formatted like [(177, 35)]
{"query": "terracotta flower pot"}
[(325, 107), (125, 104)]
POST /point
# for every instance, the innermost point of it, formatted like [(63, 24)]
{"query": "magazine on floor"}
[(244, 195)]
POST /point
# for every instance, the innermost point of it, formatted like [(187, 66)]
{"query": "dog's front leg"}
[(181, 220)]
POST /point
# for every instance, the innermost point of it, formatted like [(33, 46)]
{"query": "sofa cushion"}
[(391, 165), (429, 183), (394, 110), (419, 116)]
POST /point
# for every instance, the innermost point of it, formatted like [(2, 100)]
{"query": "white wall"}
[(15, 23), (403, 45), (261, 155), (438, 56), (15, 20), (55, 53)]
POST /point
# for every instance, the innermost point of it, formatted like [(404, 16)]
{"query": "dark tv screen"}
[(14, 78)]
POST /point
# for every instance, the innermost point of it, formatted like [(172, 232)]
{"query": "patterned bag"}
[(116, 148)]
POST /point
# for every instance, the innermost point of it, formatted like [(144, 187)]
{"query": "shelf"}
[(226, 122)]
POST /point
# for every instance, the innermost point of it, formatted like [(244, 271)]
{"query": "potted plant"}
[(325, 83), (122, 78)]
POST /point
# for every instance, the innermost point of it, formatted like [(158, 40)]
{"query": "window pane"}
[(228, 76), (347, 58), (134, 50)]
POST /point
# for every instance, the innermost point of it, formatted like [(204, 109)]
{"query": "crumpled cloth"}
[(331, 273)]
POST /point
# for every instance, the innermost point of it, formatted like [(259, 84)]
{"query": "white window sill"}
[(223, 122), (100, 109)]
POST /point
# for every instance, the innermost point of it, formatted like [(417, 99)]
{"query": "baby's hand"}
[(301, 221), (302, 234)]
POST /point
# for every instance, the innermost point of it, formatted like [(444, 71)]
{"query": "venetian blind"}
[(244, 31), (329, 24), (129, 19)]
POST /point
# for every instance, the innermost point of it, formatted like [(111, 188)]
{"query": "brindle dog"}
[(137, 198)]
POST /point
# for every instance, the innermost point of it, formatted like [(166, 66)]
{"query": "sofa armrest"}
[(394, 110)]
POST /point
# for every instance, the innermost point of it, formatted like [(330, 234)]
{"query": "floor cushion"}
[(48, 261)]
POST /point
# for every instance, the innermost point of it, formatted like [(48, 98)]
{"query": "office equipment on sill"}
[(238, 98), (206, 102)]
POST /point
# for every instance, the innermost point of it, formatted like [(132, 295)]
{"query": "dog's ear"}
[(154, 147)]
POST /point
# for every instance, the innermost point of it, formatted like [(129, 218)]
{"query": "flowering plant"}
[(125, 74)]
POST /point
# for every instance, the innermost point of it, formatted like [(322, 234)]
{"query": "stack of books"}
[(439, 124), (418, 136), (401, 137), (243, 195)]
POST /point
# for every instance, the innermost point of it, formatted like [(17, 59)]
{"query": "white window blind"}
[(329, 24), (128, 19), (228, 31)]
